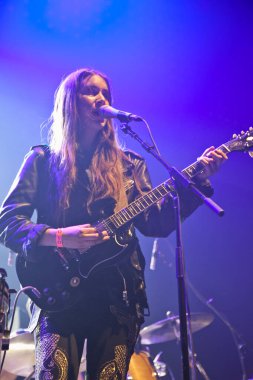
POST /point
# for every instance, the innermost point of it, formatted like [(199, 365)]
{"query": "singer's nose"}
[(100, 103), (101, 100)]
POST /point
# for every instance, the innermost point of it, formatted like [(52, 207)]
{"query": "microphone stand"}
[(184, 312)]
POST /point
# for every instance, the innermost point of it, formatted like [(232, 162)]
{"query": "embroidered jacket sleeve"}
[(158, 220), (17, 231)]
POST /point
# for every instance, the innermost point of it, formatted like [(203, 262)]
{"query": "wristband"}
[(58, 238)]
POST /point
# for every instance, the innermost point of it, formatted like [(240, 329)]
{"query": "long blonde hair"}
[(106, 163)]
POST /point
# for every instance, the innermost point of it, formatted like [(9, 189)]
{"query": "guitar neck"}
[(135, 208)]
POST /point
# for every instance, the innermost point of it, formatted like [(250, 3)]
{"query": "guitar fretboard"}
[(141, 204)]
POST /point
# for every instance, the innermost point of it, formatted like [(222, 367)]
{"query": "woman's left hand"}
[(212, 158)]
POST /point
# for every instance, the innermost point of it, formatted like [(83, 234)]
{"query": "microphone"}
[(108, 112), (154, 255)]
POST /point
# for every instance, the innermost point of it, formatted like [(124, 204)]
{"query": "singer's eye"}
[(90, 90), (94, 91)]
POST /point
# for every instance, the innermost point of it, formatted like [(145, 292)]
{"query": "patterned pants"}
[(111, 336)]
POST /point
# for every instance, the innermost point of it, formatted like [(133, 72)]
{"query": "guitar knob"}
[(65, 295), (46, 291), (51, 300), (74, 282)]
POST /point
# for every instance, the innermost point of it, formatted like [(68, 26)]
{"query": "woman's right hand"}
[(81, 237)]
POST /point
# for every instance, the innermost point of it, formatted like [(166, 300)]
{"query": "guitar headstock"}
[(242, 142)]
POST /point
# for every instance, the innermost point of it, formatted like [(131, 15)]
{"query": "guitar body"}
[(62, 280)]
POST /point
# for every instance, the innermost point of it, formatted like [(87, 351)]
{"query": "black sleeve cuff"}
[(30, 246)]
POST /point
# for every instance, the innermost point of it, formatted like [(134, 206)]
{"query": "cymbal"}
[(168, 329), (20, 357)]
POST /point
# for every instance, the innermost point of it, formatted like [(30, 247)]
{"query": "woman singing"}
[(80, 177)]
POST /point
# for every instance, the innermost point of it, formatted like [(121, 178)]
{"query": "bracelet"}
[(58, 238)]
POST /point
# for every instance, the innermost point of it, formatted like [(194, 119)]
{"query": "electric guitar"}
[(60, 277)]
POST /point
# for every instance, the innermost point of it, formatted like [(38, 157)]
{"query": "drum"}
[(20, 357), (141, 367)]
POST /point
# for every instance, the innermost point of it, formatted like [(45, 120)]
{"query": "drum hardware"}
[(161, 367), (20, 357), (167, 329), (200, 368), (4, 311), (7, 340)]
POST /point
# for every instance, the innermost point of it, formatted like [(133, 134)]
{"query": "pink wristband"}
[(58, 238)]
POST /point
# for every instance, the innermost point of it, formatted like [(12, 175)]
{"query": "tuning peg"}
[(251, 154), (234, 136), (242, 132)]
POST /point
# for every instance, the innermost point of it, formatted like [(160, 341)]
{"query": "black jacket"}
[(31, 191)]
